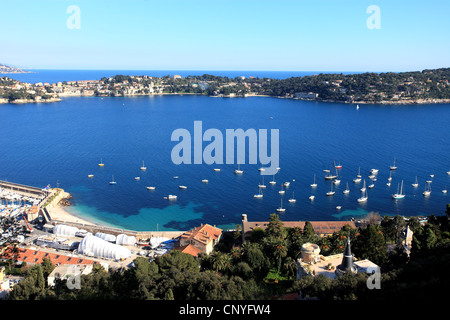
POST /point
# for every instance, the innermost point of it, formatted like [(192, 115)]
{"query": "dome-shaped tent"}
[(106, 236), (65, 231), (123, 239), (97, 247)]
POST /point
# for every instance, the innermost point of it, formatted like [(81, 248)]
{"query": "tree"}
[(274, 228), (370, 244), (308, 232)]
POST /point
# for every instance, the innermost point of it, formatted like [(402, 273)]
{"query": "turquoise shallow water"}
[(61, 143)]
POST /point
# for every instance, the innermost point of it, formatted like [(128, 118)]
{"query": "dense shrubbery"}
[(265, 267)]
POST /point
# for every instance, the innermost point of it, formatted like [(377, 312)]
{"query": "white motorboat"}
[(182, 187), (151, 188), (311, 198), (373, 171), (90, 175), (137, 178), (217, 169), (338, 207), (205, 181)]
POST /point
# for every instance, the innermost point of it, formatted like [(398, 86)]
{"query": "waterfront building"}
[(203, 238)]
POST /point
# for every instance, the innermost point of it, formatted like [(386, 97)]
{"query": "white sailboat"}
[(390, 176), (358, 176), (427, 191), (445, 190), (311, 198), (101, 164), (331, 192), (282, 190), (336, 182), (281, 209), (258, 195), (90, 175), (363, 189), (347, 190), (112, 182), (263, 186), (314, 185), (399, 195), (273, 181), (238, 170), (364, 196), (415, 184), (143, 168), (393, 167), (292, 200)]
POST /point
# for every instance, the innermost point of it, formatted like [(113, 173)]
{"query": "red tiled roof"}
[(189, 249), (36, 256), (203, 234)]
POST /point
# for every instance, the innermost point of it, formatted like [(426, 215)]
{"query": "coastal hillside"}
[(9, 69), (427, 86)]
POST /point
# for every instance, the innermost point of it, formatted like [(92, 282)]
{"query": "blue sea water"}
[(61, 143)]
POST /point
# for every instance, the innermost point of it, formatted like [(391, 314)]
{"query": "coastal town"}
[(36, 230), (428, 86)]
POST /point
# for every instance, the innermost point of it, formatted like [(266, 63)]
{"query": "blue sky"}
[(301, 35)]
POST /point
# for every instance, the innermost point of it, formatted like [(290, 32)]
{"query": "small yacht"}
[(347, 190), (357, 180), (336, 182), (205, 181), (364, 196), (337, 166), (444, 191), (171, 197), (358, 176), (292, 200), (176, 177), (338, 207), (286, 184), (331, 192), (427, 191), (182, 187), (311, 198), (263, 186), (448, 172), (372, 176), (429, 181), (262, 169), (357, 107), (314, 185), (281, 191), (432, 175), (101, 164), (388, 184), (259, 195), (112, 182), (390, 176), (415, 184), (137, 178), (238, 170), (281, 209), (151, 188), (143, 168), (363, 189), (273, 181), (90, 175), (393, 167), (373, 171), (399, 195), (371, 186), (216, 169)]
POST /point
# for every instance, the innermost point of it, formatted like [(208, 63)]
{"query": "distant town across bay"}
[(418, 87)]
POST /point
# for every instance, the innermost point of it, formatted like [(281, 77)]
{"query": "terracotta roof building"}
[(36, 256), (322, 228), (203, 238)]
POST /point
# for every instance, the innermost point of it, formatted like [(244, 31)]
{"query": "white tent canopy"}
[(156, 241), (123, 239), (97, 247), (106, 236), (63, 230)]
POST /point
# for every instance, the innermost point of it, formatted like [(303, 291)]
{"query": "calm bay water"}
[(63, 142)]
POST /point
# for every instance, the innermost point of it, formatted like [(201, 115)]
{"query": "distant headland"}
[(417, 87), (8, 69)]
